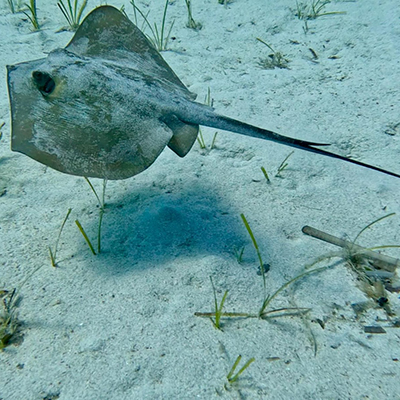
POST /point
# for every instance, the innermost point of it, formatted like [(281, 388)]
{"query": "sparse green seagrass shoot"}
[(107, 105)]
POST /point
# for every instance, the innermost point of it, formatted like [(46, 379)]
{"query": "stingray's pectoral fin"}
[(184, 134)]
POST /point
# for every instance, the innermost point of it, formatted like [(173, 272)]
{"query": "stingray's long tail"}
[(220, 122)]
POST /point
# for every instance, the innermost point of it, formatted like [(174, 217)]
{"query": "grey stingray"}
[(107, 105)]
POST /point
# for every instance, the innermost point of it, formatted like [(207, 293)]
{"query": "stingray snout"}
[(10, 68)]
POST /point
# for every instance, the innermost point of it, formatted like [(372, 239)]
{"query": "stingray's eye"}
[(44, 82)]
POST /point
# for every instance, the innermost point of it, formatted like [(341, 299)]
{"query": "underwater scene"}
[(199, 199)]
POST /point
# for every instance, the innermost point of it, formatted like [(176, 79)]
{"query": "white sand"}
[(121, 325)]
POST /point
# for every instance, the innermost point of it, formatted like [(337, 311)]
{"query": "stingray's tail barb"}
[(229, 124)]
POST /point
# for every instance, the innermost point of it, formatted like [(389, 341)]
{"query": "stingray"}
[(108, 104)]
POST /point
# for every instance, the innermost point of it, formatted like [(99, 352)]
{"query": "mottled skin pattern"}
[(108, 104)]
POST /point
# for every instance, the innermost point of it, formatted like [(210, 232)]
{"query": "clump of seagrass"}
[(314, 9), (264, 312), (33, 14), (102, 209), (283, 165), (1, 126), (232, 377), (209, 101), (9, 322), (274, 60), (72, 12), (192, 24), (159, 35), (376, 273), (53, 252)]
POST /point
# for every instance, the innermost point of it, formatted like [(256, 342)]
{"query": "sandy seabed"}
[(121, 325)]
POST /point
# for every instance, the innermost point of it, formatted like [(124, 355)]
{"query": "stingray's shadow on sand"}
[(152, 226)]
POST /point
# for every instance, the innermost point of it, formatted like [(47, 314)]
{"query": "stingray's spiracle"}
[(44, 82)]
